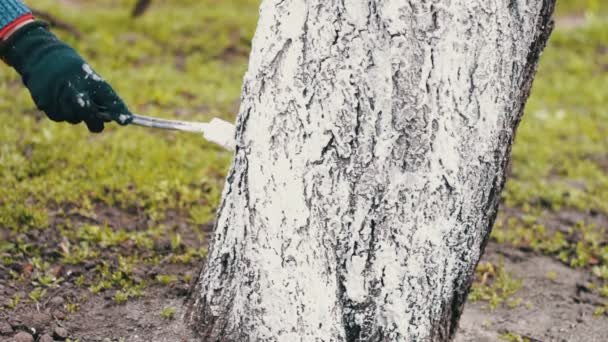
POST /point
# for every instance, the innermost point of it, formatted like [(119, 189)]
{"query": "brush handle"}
[(218, 131), (176, 125)]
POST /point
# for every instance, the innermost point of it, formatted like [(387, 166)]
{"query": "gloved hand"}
[(62, 84)]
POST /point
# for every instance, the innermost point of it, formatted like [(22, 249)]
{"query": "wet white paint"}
[(90, 73), (220, 132), (123, 118), (81, 101)]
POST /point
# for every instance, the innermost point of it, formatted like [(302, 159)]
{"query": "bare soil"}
[(559, 309), (98, 317), (555, 310)]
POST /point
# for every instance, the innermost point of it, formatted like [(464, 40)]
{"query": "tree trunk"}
[(372, 140)]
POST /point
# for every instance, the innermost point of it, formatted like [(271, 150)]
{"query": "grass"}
[(130, 167), (495, 286), (559, 159), (168, 313), (71, 198)]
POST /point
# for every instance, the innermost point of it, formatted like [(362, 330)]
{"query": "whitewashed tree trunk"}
[(372, 139)]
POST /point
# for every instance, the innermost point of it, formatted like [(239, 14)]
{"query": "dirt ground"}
[(555, 310), (559, 310), (98, 316)]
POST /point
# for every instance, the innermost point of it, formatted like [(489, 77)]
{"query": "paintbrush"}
[(217, 130)]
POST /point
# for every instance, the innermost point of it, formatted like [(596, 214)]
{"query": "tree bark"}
[(372, 144)]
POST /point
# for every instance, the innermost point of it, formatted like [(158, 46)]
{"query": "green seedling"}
[(37, 294), (72, 308), (121, 297), (168, 313), (513, 337), (176, 241), (166, 279), (14, 302), (495, 286)]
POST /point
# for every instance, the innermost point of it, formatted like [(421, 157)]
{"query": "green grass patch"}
[(513, 337), (495, 286), (169, 63), (560, 158), (168, 313)]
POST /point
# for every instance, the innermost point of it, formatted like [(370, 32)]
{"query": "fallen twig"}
[(140, 7)]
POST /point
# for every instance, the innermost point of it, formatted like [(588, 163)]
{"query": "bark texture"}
[(372, 143)]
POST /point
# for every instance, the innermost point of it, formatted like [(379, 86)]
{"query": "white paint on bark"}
[(372, 142)]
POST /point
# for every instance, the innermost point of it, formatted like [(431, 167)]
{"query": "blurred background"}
[(101, 221)]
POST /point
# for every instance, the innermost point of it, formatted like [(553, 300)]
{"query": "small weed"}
[(80, 281), (602, 310), (47, 280), (72, 308), (121, 297), (176, 241), (37, 294), (189, 256), (18, 277), (513, 303), (513, 337), (168, 313), (495, 286), (187, 278), (166, 279), (100, 286), (604, 290), (120, 339), (601, 271), (127, 292), (78, 253), (12, 304)]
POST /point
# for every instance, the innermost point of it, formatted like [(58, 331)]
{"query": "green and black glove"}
[(61, 82)]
